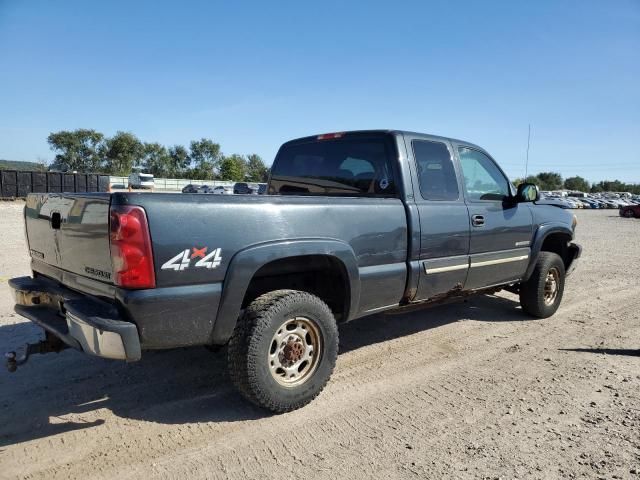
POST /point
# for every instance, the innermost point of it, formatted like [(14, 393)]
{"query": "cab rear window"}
[(346, 166)]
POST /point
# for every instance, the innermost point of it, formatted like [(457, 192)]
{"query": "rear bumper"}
[(80, 321)]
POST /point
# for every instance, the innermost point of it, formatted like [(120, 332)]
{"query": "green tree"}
[(76, 150), (576, 183), (122, 152), (41, 165), (205, 156), (156, 160), (180, 161), (615, 186), (233, 168), (549, 181), (530, 179), (257, 171)]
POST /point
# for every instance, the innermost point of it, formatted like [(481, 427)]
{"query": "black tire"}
[(628, 213), (533, 299), (252, 346)]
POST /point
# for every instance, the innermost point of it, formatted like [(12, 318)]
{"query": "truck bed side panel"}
[(186, 228)]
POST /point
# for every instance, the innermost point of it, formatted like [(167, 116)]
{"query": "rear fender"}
[(246, 263)]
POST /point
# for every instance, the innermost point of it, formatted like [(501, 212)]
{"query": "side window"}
[(436, 175), (482, 178)]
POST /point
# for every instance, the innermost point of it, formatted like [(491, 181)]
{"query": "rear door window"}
[(436, 174), (353, 165)]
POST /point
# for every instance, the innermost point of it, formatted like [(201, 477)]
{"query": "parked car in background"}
[(205, 189), (190, 189), (242, 188), (141, 180), (262, 188), (223, 190), (630, 211), (555, 201)]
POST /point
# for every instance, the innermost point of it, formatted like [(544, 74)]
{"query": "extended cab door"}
[(444, 219), (500, 228)]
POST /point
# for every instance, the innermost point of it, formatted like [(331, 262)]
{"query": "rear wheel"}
[(283, 350), (628, 213), (541, 295)]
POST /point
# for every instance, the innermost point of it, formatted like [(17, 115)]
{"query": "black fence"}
[(16, 183)]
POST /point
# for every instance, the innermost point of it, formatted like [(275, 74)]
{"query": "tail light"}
[(131, 254)]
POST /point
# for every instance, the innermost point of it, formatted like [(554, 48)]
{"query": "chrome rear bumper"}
[(80, 321)]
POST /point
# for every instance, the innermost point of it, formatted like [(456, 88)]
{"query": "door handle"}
[(477, 220)]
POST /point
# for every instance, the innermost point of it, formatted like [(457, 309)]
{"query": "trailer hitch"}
[(51, 344)]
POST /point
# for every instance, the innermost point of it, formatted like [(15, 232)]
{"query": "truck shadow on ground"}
[(606, 351), (57, 393)]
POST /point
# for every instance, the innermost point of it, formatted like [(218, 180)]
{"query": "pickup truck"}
[(353, 224)]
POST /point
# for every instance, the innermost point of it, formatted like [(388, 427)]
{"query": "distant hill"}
[(17, 165)]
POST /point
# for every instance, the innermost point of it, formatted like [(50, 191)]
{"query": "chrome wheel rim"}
[(551, 286), (294, 352)]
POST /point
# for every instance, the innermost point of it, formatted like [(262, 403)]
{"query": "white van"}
[(141, 180)]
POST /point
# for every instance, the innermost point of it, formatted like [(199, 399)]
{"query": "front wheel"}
[(541, 295), (628, 213), (283, 350)]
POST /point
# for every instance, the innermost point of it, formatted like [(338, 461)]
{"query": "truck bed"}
[(196, 237)]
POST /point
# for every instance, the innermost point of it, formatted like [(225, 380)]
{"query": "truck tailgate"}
[(70, 232)]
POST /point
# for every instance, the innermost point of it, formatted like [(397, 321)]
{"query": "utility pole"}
[(526, 165)]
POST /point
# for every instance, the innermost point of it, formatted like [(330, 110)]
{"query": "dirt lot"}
[(468, 390)]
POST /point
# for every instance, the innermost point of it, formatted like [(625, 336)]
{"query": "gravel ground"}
[(473, 389)]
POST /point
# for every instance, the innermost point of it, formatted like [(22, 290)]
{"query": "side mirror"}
[(528, 192)]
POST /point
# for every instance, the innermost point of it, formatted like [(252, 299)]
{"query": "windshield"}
[(352, 165)]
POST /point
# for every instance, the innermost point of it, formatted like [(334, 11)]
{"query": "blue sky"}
[(253, 75)]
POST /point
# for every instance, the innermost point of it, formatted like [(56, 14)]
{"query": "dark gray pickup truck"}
[(352, 224)]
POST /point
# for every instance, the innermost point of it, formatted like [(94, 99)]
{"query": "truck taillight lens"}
[(131, 254)]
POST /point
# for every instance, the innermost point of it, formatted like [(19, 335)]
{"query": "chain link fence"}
[(170, 184)]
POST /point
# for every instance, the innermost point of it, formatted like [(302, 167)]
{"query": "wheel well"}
[(322, 275), (558, 243)]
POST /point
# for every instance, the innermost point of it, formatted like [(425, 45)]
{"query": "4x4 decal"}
[(182, 261)]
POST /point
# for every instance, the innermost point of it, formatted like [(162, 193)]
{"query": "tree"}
[(530, 179), (257, 171), (576, 183), (77, 150), (614, 186), (156, 159), (180, 161), (206, 156), (122, 152), (233, 168), (41, 165), (549, 181)]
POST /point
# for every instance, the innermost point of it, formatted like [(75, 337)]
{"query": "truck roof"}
[(392, 131)]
